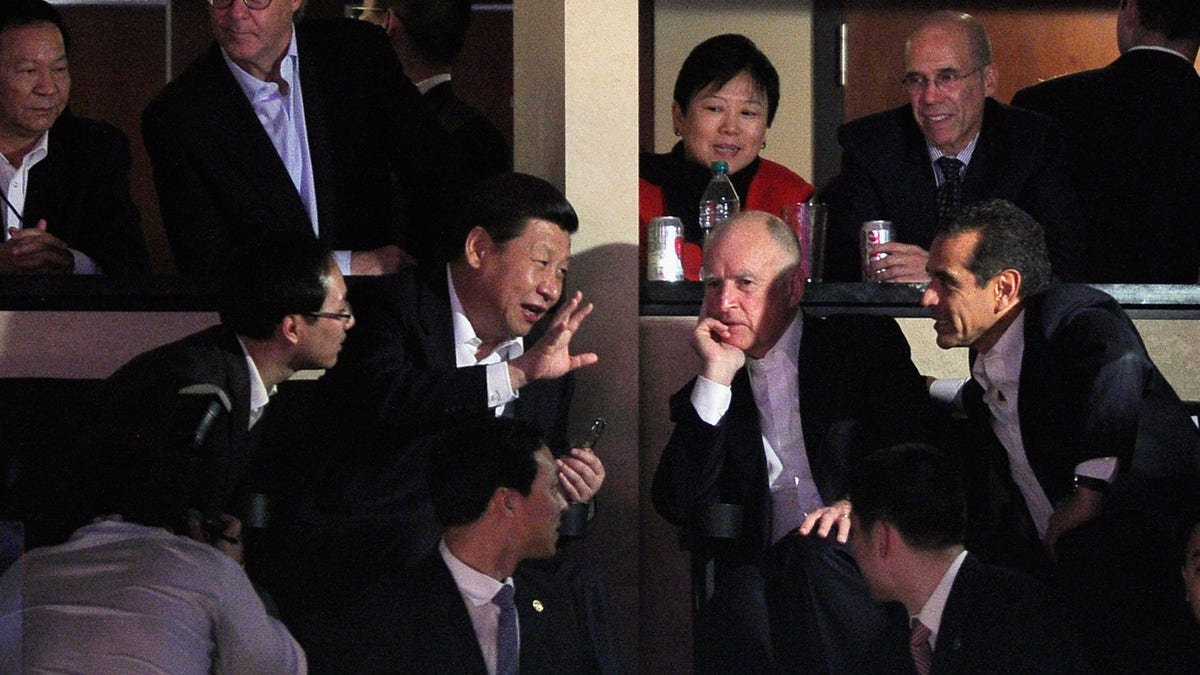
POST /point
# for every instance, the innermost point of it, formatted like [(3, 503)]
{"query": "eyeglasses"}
[(250, 4), (343, 316), (946, 80), (364, 13)]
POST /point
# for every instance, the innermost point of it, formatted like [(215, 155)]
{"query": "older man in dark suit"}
[(785, 404), (961, 615), (917, 164), (64, 179), (1133, 139), (309, 128), (1090, 454)]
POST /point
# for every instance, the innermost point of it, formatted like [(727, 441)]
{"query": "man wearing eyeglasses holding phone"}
[(287, 127), (916, 165)]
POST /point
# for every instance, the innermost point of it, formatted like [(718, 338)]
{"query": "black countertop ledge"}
[(657, 298), (1140, 301)]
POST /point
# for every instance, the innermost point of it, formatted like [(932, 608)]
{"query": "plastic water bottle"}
[(720, 201)]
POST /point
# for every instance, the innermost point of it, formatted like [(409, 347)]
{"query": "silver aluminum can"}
[(664, 255), (874, 232)]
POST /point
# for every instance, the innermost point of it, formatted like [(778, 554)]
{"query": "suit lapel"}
[(434, 315), (240, 138), (947, 658), (320, 145), (449, 625), (815, 404)]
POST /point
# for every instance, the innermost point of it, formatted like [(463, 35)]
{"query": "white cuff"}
[(84, 264), (948, 390), (711, 400), (499, 385)]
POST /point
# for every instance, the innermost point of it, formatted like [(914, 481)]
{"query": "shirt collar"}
[(963, 156), (478, 587), (467, 341), (35, 155), (931, 612), (1155, 48), (1003, 361), (259, 395), (255, 88), (785, 350), (430, 82)]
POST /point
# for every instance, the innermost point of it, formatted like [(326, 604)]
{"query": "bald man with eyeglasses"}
[(951, 145), (306, 127)]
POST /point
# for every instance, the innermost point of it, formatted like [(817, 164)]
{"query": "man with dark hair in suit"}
[(495, 488), (437, 347), (952, 145), (283, 308), (64, 179), (1133, 139), (1087, 452), (428, 36), (784, 405), (962, 616), (308, 128)]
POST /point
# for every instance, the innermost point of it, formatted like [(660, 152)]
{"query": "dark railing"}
[(1140, 301)]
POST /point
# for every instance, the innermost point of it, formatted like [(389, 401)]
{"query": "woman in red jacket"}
[(726, 96)]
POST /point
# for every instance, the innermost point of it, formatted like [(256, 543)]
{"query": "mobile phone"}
[(593, 435)]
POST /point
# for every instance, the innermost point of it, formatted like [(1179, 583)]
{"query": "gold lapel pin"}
[(538, 607)]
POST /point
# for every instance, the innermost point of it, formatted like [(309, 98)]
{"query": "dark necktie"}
[(949, 193), (918, 645), (508, 648)]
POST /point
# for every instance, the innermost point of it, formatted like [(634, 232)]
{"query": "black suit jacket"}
[(397, 386), (1088, 389), (221, 182), (1133, 140), (416, 621), (142, 393), (886, 174), (81, 189), (859, 392), (995, 621), (482, 146)]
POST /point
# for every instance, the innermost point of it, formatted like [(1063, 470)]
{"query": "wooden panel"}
[(1028, 44)]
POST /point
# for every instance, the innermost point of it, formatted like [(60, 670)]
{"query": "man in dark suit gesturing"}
[(1133, 138), (1090, 454), (785, 404), (952, 145), (962, 616), (467, 607), (305, 129)]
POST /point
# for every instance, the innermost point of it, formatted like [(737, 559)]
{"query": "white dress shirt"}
[(998, 372), (125, 598), (931, 612), (260, 396), (774, 381), (466, 349), (477, 591), (14, 180)]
